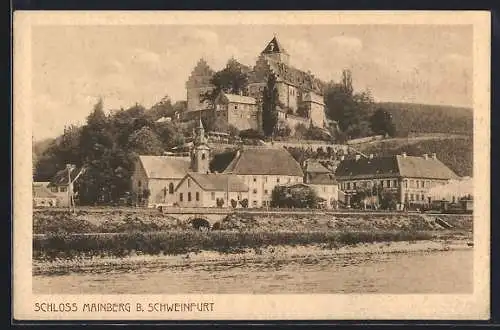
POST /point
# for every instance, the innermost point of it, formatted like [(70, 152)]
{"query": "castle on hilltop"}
[(300, 93)]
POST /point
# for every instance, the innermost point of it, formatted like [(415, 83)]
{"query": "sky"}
[(73, 66)]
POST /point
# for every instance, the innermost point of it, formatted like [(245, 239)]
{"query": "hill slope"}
[(422, 118)]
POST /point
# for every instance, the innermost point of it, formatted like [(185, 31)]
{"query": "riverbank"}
[(312, 253)]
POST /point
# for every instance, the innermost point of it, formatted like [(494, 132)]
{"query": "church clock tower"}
[(200, 156)]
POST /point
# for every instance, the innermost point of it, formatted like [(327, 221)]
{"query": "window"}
[(289, 180), (348, 185), (254, 179), (165, 192), (406, 196), (181, 197), (412, 183), (212, 195), (254, 191), (354, 185), (63, 189), (265, 179), (171, 188), (254, 203), (411, 197), (423, 197), (189, 196), (423, 184), (197, 196), (388, 183), (53, 189), (406, 184), (395, 183), (139, 183), (418, 184), (277, 180), (236, 106), (203, 156), (189, 183), (266, 191), (382, 183)]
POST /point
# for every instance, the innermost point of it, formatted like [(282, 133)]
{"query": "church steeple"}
[(275, 51), (200, 156)]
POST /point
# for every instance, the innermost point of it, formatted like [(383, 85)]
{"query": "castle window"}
[(197, 196), (171, 188), (189, 196), (203, 156), (254, 179), (63, 189), (181, 197), (266, 191), (54, 189), (139, 183), (236, 106)]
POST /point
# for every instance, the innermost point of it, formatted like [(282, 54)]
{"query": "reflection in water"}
[(435, 272)]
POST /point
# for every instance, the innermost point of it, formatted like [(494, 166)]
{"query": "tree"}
[(381, 123), (230, 80), (270, 101), (234, 203), (244, 202), (145, 142), (282, 129)]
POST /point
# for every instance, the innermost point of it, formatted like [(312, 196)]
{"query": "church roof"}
[(165, 167), (274, 46), (218, 182), (264, 161)]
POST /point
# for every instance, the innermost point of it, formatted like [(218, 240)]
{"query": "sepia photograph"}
[(211, 160)]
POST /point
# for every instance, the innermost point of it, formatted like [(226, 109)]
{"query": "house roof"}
[(264, 161), (391, 166), (40, 191), (321, 178), (218, 182), (315, 167), (165, 167), (419, 167), (233, 98), (297, 77), (61, 177)]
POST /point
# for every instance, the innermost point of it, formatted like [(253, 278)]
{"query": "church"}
[(300, 93)]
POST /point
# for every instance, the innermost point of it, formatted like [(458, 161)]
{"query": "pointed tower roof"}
[(274, 46)]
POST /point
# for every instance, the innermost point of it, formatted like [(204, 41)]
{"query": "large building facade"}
[(300, 93), (409, 178)]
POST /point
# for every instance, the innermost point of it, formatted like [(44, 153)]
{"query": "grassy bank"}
[(67, 246)]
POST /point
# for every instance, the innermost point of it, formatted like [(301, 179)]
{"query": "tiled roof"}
[(391, 166), (40, 191), (264, 161), (219, 182), (419, 167), (165, 167), (61, 177), (297, 77)]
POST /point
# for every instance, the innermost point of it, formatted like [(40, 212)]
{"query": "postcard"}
[(233, 165)]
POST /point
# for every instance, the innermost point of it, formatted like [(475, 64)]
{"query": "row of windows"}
[(418, 183), (181, 196), (414, 197), (366, 184), (278, 180), (61, 189)]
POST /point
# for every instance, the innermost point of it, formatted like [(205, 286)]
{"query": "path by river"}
[(390, 273)]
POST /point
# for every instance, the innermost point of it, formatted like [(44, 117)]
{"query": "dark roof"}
[(264, 161), (61, 177), (40, 191), (297, 77), (218, 182), (321, 178), (274, 46), (391, 166), (221, 161)]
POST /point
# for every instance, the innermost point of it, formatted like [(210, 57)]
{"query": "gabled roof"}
[(264, 161), (165, 167), (395, 166), (274, 46), (419, 167), (217, 182), (61, 177), (40, 191)]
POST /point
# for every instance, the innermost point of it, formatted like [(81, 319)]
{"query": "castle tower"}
[(197, 84), (200, 156), (274, 51)]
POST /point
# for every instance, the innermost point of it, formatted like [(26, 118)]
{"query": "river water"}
[(391, 273)]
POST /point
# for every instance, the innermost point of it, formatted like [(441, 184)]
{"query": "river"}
[(391, 273)]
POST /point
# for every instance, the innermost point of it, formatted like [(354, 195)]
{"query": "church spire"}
[(275, 51)]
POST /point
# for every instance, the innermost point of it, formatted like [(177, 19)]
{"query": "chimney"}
[(371, 156), (358, 156), (403, 154), (434, 155), (426, 156)]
